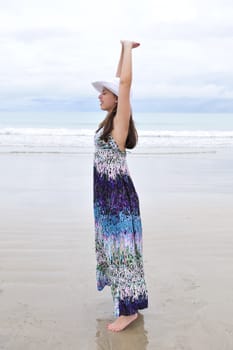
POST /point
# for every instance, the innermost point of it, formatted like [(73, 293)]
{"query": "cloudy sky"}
[(50, 51)]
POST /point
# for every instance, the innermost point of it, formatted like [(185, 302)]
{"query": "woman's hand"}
[(132, 44)]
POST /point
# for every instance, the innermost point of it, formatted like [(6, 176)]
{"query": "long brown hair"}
[(107, 125)]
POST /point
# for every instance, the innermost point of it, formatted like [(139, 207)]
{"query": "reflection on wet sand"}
[(133, 337)]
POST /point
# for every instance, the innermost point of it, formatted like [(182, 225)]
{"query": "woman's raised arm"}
[(124, 72)]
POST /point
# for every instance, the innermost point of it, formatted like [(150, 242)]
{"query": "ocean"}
[(72, 132)]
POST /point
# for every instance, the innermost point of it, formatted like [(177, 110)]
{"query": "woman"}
[(116, 206)]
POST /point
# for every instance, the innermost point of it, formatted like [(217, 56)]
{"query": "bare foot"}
[(122, 322)]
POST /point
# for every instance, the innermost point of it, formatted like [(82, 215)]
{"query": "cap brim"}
[(111, 86), (98, 85)]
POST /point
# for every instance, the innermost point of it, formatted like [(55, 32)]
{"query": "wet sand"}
[(48, 297)]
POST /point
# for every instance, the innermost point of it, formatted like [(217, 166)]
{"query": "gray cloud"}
[(51, 51)]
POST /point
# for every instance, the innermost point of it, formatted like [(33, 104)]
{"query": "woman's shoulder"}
[(100, 143), (110, 144)]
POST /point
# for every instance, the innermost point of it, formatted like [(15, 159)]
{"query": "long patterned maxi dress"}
[(118, 229)]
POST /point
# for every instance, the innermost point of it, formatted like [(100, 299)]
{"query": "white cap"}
[(112, 85)]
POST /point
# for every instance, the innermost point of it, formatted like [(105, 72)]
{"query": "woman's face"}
[(107, 100)]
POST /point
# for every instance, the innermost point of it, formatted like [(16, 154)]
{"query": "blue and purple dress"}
[(118, 231)]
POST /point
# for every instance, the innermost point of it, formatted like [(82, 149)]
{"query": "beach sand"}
[(48, 296)]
